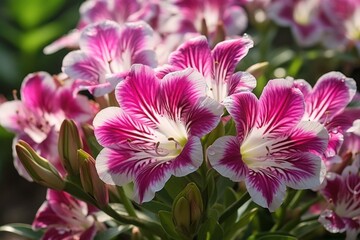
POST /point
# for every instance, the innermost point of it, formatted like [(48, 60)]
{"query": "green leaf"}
[(273, 236), (305, 228), (24, 230), (155, 206), (210, 230), (111, 233), (240, 225), (31, 13), (168, 224)]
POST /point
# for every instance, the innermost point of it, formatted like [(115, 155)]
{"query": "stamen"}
[(14, 92)]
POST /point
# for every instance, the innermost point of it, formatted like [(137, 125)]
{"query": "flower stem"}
[(234, 207), (127, 203)]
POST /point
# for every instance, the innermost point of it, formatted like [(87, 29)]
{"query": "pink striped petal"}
[(78, 65), (226, 55), (303, 86), (241, 81), (181, 90), (38, 90), (101, 40), (281, 107), (137, 95), (332, 222), (235, 20), (332, 92), (113, 128), (243, 107), (194, 53), (153, 176), (265, 188), (11, 113), (71, 40), (224, 156)]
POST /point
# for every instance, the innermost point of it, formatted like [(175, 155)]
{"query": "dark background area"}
[(26, 27)]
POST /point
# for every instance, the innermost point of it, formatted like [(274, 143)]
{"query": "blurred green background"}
[(26, 27)]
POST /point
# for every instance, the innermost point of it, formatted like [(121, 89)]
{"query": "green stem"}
[(234, 207), (126, 202), (296, 199)]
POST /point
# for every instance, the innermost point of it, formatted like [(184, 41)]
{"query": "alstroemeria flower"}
[(217, 65), (273, 147), (66, 218), (327, 100), (156, 132), (304, 17), (37, 117), (107, 50), (343, 193), (95, 11), (193, 14)]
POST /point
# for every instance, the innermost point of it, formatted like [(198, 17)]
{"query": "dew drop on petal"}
[(211, 152), (191, 167)]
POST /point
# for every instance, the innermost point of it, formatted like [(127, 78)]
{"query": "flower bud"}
[(40, 169), (90, 179), (187, 210), (69, 143), (257, 69)]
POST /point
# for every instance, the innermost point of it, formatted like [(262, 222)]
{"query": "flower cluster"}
[(170, 133)]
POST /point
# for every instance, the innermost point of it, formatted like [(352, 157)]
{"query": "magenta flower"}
[(273, 147), (217, 65), (156, 132), (343, 194), (95, 11), (37, 117), (191, 15), (107, 52), (325, 103), (304, 17), (66, 218)]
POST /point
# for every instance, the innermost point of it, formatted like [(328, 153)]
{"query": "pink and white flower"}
[(37, 117), (273, 147), (325, 103), (343, 194), (217, 65), (193, 14), (107, 51), (156, 132), (95, 11), (66, 218)]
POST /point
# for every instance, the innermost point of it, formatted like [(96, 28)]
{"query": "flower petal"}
[(194, 53), (280, 106), (226, 55), (224, 156), (332, 92), (241, 81), (266, 188), (113, 128), (332, 222), (138, 94), (243, 107)]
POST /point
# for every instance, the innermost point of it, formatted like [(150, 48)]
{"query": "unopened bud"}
[(69, 143), (90, 180), (258, 69), (187, 210), (40, 169), (220, 33)]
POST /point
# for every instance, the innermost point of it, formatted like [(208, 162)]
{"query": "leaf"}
[(272, 236), (111, 233), (210, 230), (155, 206), (168, 224), (24, 230), (243, 222), (305, 228)]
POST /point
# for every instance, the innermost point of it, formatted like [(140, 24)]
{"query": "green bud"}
[(187, 210), (40, 169), (90, 180), (69, 143)]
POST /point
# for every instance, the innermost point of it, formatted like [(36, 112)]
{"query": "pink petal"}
[(241, 81), (38, 90), (46, 217), (226, 55), (266, 188), (113, 128), (224, 156), (101, 41), (332, 92), (235, 20), (243, 108), (194, 53), (71, 40), (281, 107), (332, 222), (11, 113), (137, 95), (303, 86)]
